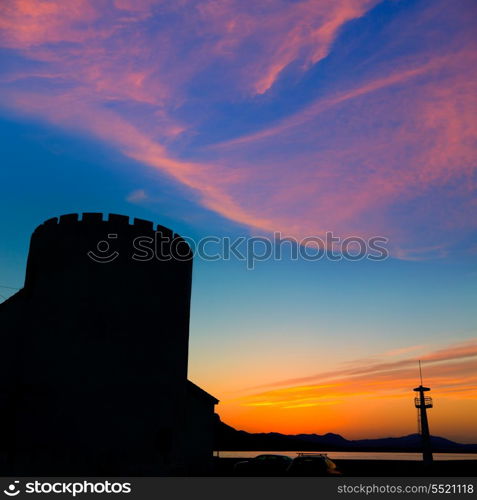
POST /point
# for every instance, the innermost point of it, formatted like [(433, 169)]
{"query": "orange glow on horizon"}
[(367, 400)]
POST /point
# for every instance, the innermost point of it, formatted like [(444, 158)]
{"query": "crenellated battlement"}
[(72, 246), (99, 219)]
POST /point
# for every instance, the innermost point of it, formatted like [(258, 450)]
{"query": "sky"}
[(234, 118)]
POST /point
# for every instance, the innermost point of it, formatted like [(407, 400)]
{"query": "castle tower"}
[(96, 376), (422, 403)]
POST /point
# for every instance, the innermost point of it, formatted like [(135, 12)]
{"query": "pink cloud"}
[(352, 171), (401, 132), (27, 23), (137, 196), (458, 357)]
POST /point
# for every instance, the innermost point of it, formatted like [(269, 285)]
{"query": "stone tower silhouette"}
[(96, 377)]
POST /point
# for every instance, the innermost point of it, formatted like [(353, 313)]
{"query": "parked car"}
[(263, 465), (312, 464)]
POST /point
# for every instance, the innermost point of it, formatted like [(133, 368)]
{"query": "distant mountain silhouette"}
[(231, 439)]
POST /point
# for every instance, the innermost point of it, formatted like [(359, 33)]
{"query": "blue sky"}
[(233, 119)]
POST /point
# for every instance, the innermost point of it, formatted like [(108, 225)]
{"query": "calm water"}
[(357, 455)]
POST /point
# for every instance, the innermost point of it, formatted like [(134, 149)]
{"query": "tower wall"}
[(101, 349)]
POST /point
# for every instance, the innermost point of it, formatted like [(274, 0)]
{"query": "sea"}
[(351, 455)]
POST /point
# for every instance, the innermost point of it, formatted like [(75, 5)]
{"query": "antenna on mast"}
[(423, 403)]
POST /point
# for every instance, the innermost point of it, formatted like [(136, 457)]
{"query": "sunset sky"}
[(245, 117)]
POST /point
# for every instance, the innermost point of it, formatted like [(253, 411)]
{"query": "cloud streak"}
[(379, 387), (366, 397), (388, 151), (374, 370)]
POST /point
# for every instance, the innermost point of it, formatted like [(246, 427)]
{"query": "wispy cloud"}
[(388, 151), (323, 104), (451, 369), (137, 195)]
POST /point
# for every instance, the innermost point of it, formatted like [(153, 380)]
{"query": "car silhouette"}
[(312, 464), (263, 465)]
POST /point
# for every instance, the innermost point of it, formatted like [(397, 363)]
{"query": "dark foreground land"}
[(380, 468)]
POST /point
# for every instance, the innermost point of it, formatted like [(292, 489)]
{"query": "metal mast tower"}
[(422, 403)]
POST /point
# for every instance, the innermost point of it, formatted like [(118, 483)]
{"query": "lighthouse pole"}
[(422, 403)]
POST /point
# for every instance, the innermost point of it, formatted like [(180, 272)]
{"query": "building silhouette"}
[(93, 379)]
